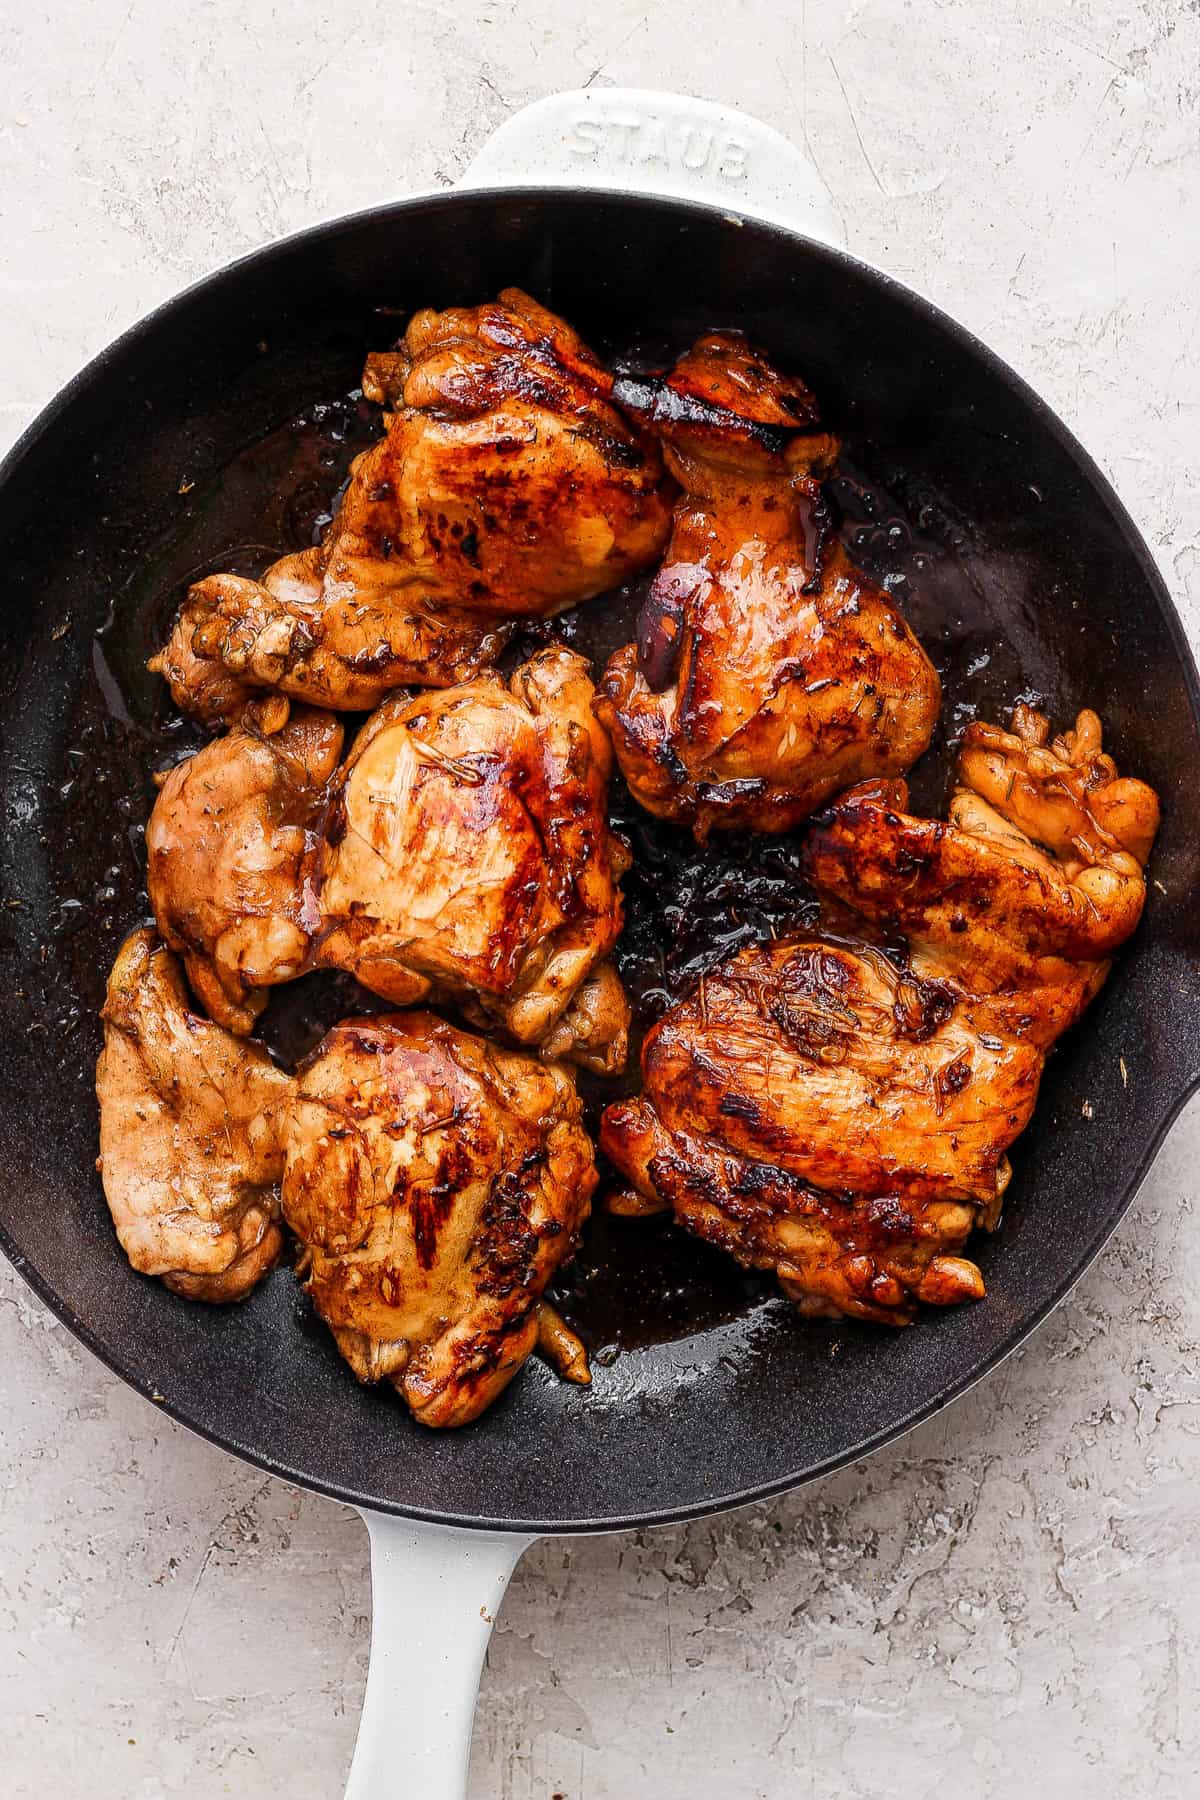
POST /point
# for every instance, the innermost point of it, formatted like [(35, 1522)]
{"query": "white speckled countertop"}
[(1005, 1605)]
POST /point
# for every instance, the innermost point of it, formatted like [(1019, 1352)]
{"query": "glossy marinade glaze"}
[(687, 906)]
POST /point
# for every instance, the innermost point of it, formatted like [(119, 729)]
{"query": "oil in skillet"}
[(687, 907)]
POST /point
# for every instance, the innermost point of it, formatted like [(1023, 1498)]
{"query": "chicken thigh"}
[(229, 846), (507, 485), (191, 1149), (436, 1184), (767, 671), (468, 854), (841, 1115), (816, 1110), (1025, 892)]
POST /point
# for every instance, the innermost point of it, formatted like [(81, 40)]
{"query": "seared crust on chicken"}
[(191, 1148), (835, 1254), (468, 854), (462, 851), (1025, 892), (507, 485), (436, 1183), (814, 1108), (321, 640), (230, 843), (827, 1060), (767, 672), (827, 1111)]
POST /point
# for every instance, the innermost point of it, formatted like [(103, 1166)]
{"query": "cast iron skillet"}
[(1014, 550)]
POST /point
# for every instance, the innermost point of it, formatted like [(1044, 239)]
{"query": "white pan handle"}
[(633, 139), (434, 1595)]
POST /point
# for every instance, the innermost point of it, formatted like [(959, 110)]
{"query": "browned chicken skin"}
[(436, 1183), (1028, 888), (821, 1110), (191, 1145), (814, 1109), (507, 485), (468, 854), (768, 672), (462, 852), (230, 844)]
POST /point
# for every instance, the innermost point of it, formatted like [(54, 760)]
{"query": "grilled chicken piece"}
[(1027, 890), (815, 1109), (819, 1109), (835, 1255), (767, 671), (468, 854), (190, 1133), (562, 1348), (230, 843), (851, 1073), (436, 1183), (507, 485)]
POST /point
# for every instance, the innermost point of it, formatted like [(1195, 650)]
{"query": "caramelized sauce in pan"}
[(687, 908)]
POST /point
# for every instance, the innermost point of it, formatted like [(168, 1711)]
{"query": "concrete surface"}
[(1003, 1606)]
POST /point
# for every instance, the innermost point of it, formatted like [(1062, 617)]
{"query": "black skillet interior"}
[(200, 441)]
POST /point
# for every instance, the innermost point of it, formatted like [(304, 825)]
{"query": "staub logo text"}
[(624, 139)]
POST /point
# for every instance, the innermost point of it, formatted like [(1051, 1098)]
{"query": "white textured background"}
[(1004, 1606)]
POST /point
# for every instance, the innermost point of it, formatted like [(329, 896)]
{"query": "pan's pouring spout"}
[(435, 1596)]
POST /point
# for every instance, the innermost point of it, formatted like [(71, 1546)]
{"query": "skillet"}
[(214, 433)]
